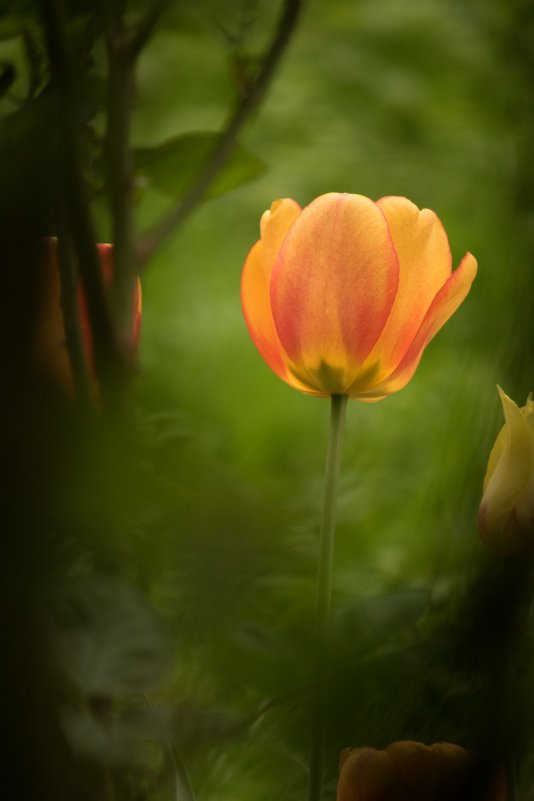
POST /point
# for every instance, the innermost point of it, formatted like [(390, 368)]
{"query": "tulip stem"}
[(324, 591)]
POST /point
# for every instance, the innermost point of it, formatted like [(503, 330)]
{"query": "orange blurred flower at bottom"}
[(412, 771), (50, 352)]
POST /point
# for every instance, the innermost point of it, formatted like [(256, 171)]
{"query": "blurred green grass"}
[(377, 99)]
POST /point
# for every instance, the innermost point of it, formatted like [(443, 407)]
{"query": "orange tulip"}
[(411, 771), (50, 349), (343, 296)]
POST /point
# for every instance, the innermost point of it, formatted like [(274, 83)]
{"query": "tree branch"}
[(123, 47), (219, 156), (120, 175)]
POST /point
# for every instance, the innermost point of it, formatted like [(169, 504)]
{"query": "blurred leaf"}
[(14, 19), (8, 74), (197, 727), (93, 95), (116, 741), (376, 618), (119, 737), (10, 27), (183, 789), (172, 166), (108, 641), (28, 147)]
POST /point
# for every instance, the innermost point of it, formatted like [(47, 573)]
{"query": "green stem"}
[(324, 589)]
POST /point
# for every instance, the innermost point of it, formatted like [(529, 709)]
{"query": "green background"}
[(423, 100), (191, 536)]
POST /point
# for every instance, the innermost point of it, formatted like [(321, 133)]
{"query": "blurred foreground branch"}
[(107, 356), (124, 45)]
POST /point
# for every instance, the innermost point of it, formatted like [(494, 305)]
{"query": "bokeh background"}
[(184, 547)]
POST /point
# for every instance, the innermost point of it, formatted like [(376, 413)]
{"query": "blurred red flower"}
[(51, 352)]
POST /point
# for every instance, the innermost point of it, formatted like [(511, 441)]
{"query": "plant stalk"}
[(121, 63), (73, 332), (324, 590), (107, 355)]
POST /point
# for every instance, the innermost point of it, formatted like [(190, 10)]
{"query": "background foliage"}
[(180, 548)]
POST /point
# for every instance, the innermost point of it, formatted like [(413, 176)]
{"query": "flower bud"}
[(506, 516)]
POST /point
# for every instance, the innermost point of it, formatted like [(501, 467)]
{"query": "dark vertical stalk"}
[(71, 319), (120, 172), (108, 362)]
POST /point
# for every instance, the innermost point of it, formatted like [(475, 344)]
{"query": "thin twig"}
[(107, 356), (227, 141), (142, 31)]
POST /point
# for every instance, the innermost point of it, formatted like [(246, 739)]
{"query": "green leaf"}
[(16, 16), (173, 166)]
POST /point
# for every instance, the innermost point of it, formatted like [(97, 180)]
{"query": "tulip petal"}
[(509, 469), (257, 310), (411, 770), (333, 287), (365, 774), (427, 768), (425, 264), (255, 281), (445, 303), (274, 226)]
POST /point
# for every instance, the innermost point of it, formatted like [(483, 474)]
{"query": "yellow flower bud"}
[(506, 517)]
